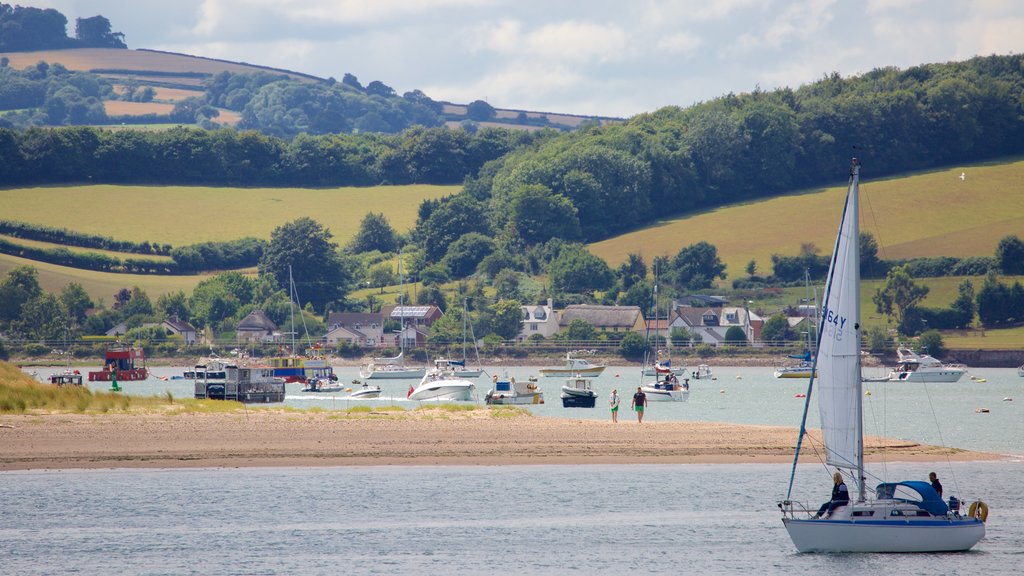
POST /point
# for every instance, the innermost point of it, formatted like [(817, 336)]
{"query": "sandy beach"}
[(424, 437)]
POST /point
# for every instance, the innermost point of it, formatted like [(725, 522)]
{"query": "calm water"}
[(933, 413), (648, 519)]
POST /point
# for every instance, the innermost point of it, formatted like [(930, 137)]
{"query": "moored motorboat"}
[(702, 372), (441, 383), (912, 367), (67, 378), (578, 392), (246, 383), (321, 385), (508, 391), (573, 366), (390, 368), (121, 363)]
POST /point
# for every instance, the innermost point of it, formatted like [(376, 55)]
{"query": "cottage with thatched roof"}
[(605, 318), (256, 327)]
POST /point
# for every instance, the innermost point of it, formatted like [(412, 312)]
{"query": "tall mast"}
[(855, 239)]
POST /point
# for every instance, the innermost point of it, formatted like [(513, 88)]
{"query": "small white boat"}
[(67, 378), (365, 391), (1020, 371), (508, 391), (703, 372), (321, 385), (441, 383), (912, 367), (578, 392), (667, 390), (574, 366)]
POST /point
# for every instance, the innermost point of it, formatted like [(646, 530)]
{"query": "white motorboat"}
[(365, 391), (321, 385), (574, 366), (902, 516), (668, 389), (508, 391), (578, 392), (703, 372), (441, 383), (912, 367)]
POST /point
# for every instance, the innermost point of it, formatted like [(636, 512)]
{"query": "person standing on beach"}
[(613, 400), (639, 403)]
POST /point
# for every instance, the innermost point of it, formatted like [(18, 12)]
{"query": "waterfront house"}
[(365, 330), (539, 319), (611, 319), (256, 327)]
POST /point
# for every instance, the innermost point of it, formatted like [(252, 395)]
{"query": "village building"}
[(257, 327), (177, 327), (365, 330), (539, 319), (708, 323), (613, 319)]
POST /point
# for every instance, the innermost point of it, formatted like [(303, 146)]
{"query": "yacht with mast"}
[(906, 516)]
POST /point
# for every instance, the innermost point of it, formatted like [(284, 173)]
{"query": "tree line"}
[(24, 28)]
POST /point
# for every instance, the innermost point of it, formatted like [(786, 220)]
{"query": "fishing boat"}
[(912, 367), (573, 366), (121, 363), (578, 392), (904, 516), (441, 383), (508, 391)]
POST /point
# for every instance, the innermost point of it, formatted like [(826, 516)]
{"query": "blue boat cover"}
[(806, 356), (457, 362), (930, 499)]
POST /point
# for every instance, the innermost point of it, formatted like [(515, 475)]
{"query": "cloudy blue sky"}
[(596, 57)]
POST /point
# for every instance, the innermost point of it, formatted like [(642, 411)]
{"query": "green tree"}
[(138, 305), (633, 270), (697, 266), (995, 305), (381, 275), (878, 340), (42, 318), (95, 33), (735, 336), (964, 305), (1010, 255), (899, 294), (931, 343), (19, 286), (540, 215), (375, 233), (506, 284), (776, 331), (869, 262), (751, 267), (632, 345), (76, 302), (480, 111), (304, 248), (450, 220), (575, 270), (465, 254), (174, 304), (507, 319), (580, 330)]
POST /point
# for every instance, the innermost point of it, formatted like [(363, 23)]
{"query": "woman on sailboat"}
[(840, 497)]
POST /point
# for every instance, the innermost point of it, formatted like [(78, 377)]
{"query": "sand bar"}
[(434, 437)]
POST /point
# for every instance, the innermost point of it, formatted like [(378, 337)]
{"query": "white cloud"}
[(679, 43), (569, 41)]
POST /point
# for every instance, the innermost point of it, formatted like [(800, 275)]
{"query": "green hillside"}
[(932, 213)]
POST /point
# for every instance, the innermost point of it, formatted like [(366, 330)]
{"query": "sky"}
[(613, 58)]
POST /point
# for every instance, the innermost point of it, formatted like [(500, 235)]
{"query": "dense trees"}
[(26, 28), (302, 251)]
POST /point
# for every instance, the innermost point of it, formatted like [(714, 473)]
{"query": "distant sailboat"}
[(906, 516)]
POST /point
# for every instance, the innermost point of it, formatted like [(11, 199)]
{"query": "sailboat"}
[(907, 516), (459, 366), (666, 386), (394, 367), (311, 369)]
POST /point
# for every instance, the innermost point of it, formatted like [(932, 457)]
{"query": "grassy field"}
[(925, 214), (141, 213), (77, 249), (180, 215)]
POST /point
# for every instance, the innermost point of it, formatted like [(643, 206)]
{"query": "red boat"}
[(121, 361)]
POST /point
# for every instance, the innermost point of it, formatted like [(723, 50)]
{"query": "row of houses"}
[(706, 318)]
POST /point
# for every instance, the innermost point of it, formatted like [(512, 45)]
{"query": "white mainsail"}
[(839, 376)]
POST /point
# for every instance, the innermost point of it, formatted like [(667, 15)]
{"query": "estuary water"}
[(601, 519), (606, 519)]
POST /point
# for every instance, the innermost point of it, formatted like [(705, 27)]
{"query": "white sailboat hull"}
[(932, 535), (444, 390), (391, 373)]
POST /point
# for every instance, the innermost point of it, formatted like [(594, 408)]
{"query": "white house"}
[(362, 329), (539, 319), (709, 324)]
